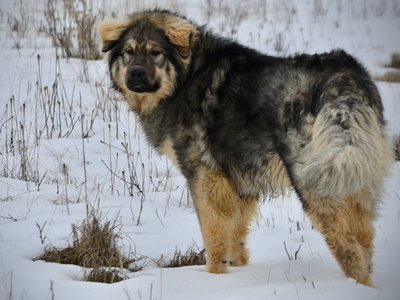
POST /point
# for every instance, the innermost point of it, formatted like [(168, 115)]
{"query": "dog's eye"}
[(129, 51), (155, 53)]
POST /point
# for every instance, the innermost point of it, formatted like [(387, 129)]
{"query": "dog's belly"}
[(266, 176), (269, 178)]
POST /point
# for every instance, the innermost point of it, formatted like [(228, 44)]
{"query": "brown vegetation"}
[(192, 257), (73, 28), (391, 76), (94, 245), (395, 62)]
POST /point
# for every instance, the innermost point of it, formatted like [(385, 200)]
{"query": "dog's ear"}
[(110, 32), (181, 33)]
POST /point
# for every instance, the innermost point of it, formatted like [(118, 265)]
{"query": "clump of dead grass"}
[(192, 257), (94, 245)]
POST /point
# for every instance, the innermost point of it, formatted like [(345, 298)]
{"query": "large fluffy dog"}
[(240, 124)]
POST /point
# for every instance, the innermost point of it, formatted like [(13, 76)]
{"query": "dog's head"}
[(147, 53)]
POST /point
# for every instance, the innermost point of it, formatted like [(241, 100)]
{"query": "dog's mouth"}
[(142, 87)]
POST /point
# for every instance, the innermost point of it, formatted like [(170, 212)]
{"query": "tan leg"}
[(247, 210), (347, 225), (217, 207)]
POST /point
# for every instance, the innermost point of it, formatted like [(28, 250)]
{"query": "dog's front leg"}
[(217, 207)]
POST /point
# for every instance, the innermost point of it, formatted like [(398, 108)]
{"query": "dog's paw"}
[(217, 267)]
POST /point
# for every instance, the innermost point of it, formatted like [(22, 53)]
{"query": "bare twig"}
[(41, 228), (287, 252), (297, 252)]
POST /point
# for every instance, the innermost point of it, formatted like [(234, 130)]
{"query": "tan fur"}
[(224, 219), (110, 31), (347, 226), (150, 45), (167, 149), (132, 43), (247, 208), (180, 32)]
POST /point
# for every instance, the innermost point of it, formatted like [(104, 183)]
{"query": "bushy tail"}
[(348, 152)]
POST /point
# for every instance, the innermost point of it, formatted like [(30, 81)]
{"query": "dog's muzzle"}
[(139, 80)]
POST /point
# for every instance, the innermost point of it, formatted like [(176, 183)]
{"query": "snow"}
[(39, 212)]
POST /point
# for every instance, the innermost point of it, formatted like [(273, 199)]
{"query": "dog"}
[(241, 125)]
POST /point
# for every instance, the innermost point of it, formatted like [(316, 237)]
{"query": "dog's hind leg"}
[(347, 225), (217, 208), (247, 210), (339, 176)]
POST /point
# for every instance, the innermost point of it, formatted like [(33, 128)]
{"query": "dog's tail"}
[(348, 152)]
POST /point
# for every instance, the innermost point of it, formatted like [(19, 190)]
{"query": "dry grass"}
[(395, 62), (192, 257), (94, 245), (104, 275), (72, 24), (391, 76)]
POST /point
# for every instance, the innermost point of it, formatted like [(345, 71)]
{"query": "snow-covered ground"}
[(49, 176)]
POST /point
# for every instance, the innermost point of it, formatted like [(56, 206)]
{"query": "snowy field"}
[(51, 177)]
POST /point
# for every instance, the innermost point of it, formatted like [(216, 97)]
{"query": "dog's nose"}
[(137, 73)]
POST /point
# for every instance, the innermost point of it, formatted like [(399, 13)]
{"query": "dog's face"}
[(147, 53)]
